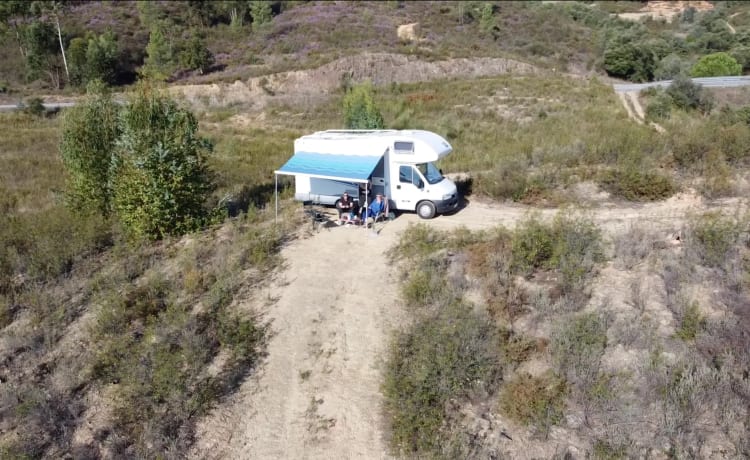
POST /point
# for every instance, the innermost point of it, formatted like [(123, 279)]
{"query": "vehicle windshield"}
[(430, 172)]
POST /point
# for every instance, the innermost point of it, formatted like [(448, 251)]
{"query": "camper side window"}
[(403, 147)]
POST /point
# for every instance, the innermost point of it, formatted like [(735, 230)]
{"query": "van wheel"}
[(426, 210)]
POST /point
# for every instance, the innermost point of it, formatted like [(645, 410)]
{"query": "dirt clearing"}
[(333, 311)]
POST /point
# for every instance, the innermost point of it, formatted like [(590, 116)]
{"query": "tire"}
[(426, 209)]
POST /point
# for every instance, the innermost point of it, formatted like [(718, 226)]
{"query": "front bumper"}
[(445, 206)]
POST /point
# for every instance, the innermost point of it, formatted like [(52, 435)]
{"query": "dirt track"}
[(317, 396)]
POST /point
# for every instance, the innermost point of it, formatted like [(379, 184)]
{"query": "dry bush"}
[(633, 246), (638, 294), (535, 401), (444, 356), (576, 348), (712, 238)]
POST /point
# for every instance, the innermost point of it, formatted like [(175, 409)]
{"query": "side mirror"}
[(421, 184), (441, 171)]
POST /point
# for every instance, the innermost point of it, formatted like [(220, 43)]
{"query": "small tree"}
[(261, 12), (89, 132), (101, 58), (195, 55), (77, 60), (161, 176), (716, 65), (159, 62), (41, 52), (487, 17), (360, 111)]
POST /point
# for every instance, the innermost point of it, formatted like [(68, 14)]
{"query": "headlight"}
[(447, 197)]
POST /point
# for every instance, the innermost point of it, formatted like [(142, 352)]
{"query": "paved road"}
[(708, 82), (48, 106)]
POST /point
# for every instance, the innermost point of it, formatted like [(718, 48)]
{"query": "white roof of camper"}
[(373, 141)]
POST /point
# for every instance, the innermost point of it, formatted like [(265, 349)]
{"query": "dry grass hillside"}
[(589, 299)]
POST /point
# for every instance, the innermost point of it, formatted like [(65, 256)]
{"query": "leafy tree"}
[(195, 55), (671, 66), (742, 55), (101, 57), (360, 111), (716, 65), (149, 13), (161, 175), (41, 52), (77, 60), (93, 58), (261, 12), (159, 62), (89, 133), (634, 62), (53, 10)]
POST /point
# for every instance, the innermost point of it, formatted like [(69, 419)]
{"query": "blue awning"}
[(354, 168)]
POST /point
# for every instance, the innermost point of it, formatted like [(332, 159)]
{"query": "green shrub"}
[(577, 348), (635, 185), (417, 241), (687, 95), (714, 238), (659, 108), (440, 358), (570, 245), (605, 450), (33, 106), (578, 247), (513, 181), (535, 401), (716, 65), (425, 284), (89, 133), (532, 245), (691, 322)]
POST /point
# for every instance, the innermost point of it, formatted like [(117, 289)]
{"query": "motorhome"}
[(395, 163)]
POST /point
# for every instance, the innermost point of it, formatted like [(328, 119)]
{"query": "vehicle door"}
[(407, 187)]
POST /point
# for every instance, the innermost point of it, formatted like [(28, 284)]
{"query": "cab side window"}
[(407, 175)]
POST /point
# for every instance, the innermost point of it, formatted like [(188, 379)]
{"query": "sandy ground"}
[(317, 395)]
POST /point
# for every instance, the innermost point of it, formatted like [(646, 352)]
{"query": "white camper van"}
[(397, 164)]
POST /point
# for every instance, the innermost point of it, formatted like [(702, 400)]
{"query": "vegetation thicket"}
[(547, 324), (168, 40)]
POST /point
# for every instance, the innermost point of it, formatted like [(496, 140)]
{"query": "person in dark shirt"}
[(346, 208)]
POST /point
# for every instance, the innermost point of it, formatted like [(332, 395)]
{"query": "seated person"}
[(346, 208), (377, 208)]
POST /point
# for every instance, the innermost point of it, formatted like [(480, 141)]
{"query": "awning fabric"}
[(355, 168)]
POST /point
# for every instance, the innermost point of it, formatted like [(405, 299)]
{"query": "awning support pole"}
[(276, 195)]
